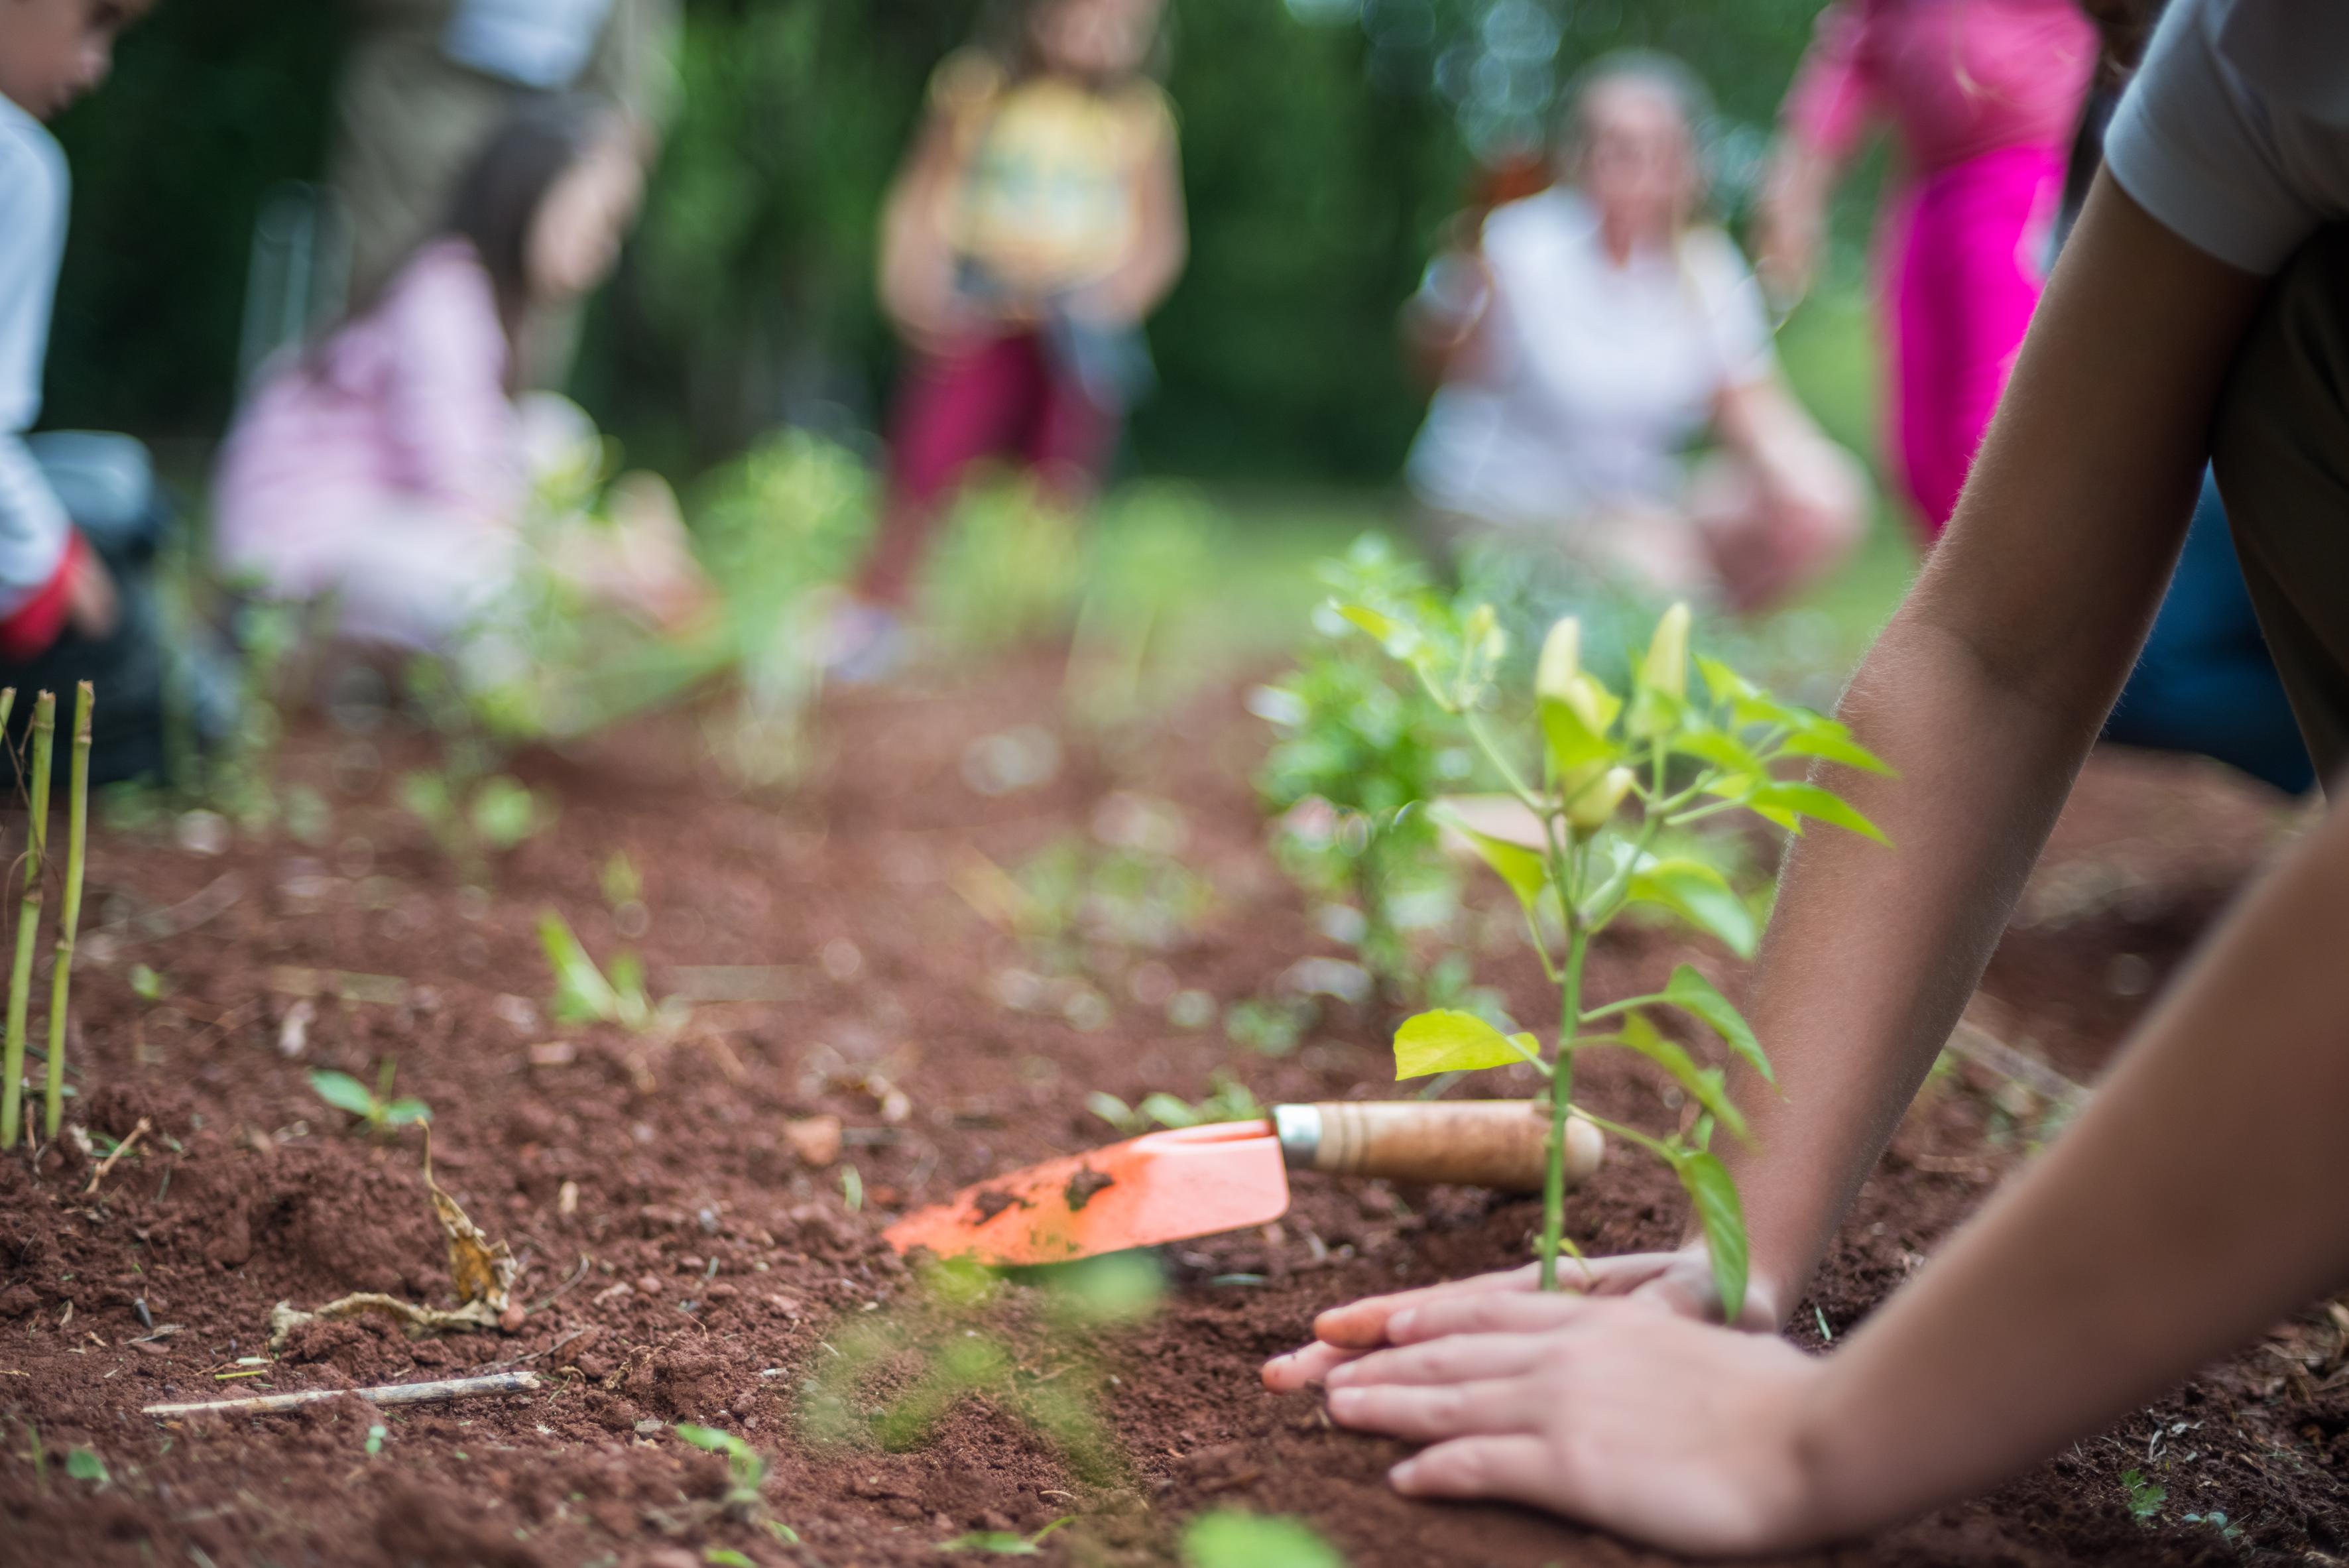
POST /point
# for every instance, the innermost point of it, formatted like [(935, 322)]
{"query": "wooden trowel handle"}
[(1497, 1144)]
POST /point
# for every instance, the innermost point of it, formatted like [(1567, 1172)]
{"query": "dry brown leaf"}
[(483, 1271)]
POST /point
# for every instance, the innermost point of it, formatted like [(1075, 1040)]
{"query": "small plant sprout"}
[(69, 918), (84, 1464), (1229, 1100), (583, 994), (1229, 1537), (746, 1477), (1004, 1543), (374, 1106), (2143, 1495), (28, 918), (1613, 775)]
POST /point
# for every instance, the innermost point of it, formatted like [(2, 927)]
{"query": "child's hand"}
[(92, 606), (1680, 1280), (1624, 1414)]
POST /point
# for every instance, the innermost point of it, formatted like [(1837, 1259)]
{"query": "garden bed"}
[(729, 1278)]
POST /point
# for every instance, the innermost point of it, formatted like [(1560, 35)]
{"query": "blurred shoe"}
[(864, 644)]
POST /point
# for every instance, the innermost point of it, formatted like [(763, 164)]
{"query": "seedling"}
[(28, 918), (1613, 776), (472, 821), (1003, 1542), (69, 920), (1230, 1101), (746, 1470), (84, 1464), (1359, 752), (374, 1106), (2143, 1496), (583, 994), (1229, 1537)]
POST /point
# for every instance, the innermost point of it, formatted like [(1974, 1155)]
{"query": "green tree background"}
[(1324, 143)]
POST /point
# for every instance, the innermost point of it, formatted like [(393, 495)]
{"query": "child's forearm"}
[(1985, 693), (2197, 1200)]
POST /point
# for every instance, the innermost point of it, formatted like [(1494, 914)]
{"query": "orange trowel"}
[(1198, 1181)]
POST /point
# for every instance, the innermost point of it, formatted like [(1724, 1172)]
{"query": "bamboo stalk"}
[(69, 920), (389, 1394), (28, 919)]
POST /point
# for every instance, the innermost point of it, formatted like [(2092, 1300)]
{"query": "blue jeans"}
[(2205, 682)]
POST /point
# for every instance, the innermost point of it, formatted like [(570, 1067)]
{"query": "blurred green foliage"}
[(1324, 141)]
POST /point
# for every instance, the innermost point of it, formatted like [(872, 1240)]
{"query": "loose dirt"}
[(687, 1259)]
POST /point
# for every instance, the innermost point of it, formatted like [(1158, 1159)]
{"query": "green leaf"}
[(1524, 870), (1001, 1543), (1725, 684), (1700, 895), (726, 1557), (1704, 1085), (1720, 749), (1693, 992), (1810, 800), (1112, 1109), (1447, 1041), (1383, 627), (1167, 1109), (1831, 742), (83, 1464), (1228, 1537), (402, 1112), (504, 813), (1714, 1193), (1575, 745), (582, 994), (344, 1092)]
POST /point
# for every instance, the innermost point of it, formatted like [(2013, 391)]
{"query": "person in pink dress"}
[(392, 466), (1985, 95)]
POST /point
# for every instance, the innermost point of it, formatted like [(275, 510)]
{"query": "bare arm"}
[(916, 281), (1160, 250), (1790, 228), (1985, 693)]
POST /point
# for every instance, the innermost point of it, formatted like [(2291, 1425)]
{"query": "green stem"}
[(1561, 1100), (69, 920), (28, 921), (1510, 776)]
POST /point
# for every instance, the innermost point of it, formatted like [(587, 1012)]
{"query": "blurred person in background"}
[(1591, 334), (81, 517), (426, 84), (1037, 221), (393, 464), (1985, 95)]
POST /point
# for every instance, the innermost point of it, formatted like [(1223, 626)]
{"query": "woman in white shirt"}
[(1597, 332)]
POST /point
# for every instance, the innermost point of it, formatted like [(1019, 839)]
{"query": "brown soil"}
[(684, 1263)]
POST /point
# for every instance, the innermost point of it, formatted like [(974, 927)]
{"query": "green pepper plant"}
[(1613, 776)]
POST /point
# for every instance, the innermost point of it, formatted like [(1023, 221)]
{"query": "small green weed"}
[(2143, 1496), (374, 1106), (1229, 1537), (83, 1464), (583, 994), (1229, 1100), (1003, 1542)]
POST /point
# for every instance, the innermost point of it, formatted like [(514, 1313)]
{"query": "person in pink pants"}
[(1985, 95)]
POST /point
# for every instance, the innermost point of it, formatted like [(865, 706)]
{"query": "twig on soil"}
[(535, 1355), (121, 1149), (1978, 1046), (388, 1394), (556, 1294)]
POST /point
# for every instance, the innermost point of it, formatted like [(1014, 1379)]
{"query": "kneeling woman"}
[(1595, 331), (391, 465)]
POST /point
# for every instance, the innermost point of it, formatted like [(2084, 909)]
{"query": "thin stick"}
[(28, 920), (389, 1394), (121, 1149), (69, 922)]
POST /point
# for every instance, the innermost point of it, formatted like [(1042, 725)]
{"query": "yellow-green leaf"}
[(1448, 1041), (1704, 1085), (1831, 742), (1692, 993), (1575, 744), (1700, 895), (1383, 627), (1723, 1219), (1665, 669), (1810, 800), (1523, 869)]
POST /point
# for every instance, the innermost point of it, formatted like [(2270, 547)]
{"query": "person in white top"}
[(1597, 332), (2201, 310)]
